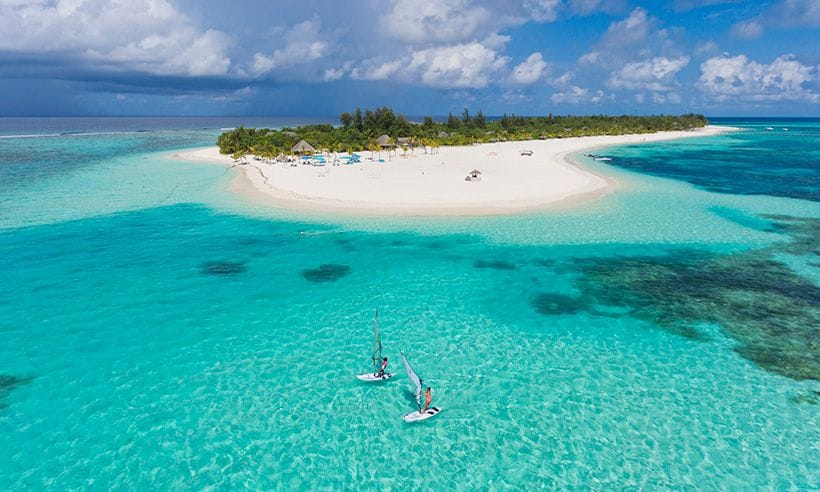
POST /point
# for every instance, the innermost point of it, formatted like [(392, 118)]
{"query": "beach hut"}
[(290, 134), (303, 148), (404, 141), (385, 142), (443, 134)]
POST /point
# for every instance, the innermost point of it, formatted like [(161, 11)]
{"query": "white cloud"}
[(304, 43), (590, 58), (563, 80), (415, 21), (237, 95), (371, 71), (623, 40), (684, 5), (794, 13), (530, 70), (705, 48), (577, 95), (634, 29), (332, 74), (542, 10), (782, 14), (427, 22), (515, 96), (736, 77), (752, 29), (150, 36), (668, 97), (496, 41), (656, 74), (461, 66)]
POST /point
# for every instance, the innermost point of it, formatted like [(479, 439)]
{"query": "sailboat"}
[(377, 356), (418, 415)]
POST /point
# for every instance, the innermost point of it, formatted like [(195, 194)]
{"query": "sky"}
[(420, 57)]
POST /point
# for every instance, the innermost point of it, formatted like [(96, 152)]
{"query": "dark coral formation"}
[(772, 312), (808, 398), (223, 268), (550, 304), (326, 273), (8, 383), (494, 264), (804, 233)]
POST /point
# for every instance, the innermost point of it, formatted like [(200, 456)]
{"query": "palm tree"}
[(373, 146), (239, 155)]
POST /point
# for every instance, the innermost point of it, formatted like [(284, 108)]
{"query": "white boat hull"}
[(417, 417), (374, 378)]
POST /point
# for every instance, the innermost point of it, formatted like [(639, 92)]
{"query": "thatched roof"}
[(475, 171), (443, 134), (303, 146), (290, 134), (403, 140), (384, 141)]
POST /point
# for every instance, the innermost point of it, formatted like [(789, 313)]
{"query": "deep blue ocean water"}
[(779, 157), (159, 332)]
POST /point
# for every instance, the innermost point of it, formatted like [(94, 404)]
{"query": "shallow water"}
[(158, 331)]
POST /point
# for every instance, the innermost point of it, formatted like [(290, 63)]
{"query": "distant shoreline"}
[(434, 184)]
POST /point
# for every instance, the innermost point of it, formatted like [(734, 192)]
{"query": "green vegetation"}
[(359, 131)]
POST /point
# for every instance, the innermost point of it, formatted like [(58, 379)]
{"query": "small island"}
[(366, 131), (379, 162)]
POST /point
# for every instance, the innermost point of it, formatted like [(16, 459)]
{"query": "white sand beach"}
[(434, 184)]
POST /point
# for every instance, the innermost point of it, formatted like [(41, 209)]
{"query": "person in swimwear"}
[(383, 368), (428, 399)]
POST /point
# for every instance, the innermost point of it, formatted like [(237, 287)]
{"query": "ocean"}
[(158, 331)]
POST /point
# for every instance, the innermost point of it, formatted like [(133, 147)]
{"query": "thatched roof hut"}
[(303, 148), (404, 141), (385, 141), (290, 134), (443, 134)]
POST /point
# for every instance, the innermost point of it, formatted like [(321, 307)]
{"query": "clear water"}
[(159, 331)]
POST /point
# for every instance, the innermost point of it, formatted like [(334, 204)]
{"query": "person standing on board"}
[(383, 368), (428, 399)]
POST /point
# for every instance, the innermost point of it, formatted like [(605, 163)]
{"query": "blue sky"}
[(321, 57)]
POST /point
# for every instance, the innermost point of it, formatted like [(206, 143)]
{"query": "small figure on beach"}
[(383, 368), (428, 399)]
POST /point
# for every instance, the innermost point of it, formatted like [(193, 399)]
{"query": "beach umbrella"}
[(303, 148)]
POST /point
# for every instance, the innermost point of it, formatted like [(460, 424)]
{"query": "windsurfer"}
[(383, 368), (428, 399)]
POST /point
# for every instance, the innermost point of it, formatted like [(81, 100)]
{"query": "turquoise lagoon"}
[(159, 331)]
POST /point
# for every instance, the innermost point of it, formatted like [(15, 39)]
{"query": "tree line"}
[(359, 130)]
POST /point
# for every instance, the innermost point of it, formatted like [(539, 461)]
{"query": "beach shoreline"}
[(426, 184)]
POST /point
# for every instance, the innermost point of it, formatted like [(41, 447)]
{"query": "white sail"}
[(377, 342), (414, 378)]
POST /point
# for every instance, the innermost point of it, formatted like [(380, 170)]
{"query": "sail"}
[(414, 378), (377, 342)]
